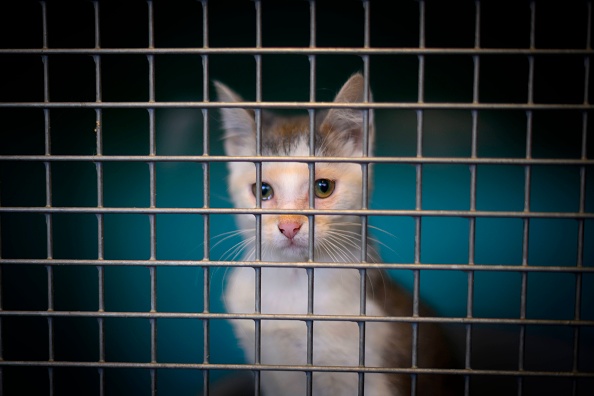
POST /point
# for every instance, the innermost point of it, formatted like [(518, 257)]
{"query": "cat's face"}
[(286, 185)]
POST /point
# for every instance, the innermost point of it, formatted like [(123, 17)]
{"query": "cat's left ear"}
[(239, 124), (345, 126)]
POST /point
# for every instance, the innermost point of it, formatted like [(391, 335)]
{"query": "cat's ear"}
[(239, 124), (345, 126)]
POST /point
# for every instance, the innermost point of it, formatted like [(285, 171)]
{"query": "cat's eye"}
[(267, 191), (323, 188)]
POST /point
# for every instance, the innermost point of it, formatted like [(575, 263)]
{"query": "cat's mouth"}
[(294, 243), (294, 248)]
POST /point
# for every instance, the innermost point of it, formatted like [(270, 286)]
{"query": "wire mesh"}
[(108, 365)]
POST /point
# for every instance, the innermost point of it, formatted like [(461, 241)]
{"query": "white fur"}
[(284, 290)]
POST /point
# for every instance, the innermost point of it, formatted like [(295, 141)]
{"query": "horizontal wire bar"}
[(296, 50), (298, 317), (259, 159), (270, 367), (305, 264), (302, 105), (305, 212)]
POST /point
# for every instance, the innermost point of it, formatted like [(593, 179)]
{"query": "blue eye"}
[(267, 191)]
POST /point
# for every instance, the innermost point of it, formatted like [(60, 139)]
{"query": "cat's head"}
[(339, 132)]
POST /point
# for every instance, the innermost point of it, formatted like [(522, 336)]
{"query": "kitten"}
[(285, 185)]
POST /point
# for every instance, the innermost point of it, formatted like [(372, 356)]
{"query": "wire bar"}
[(300, 51), (48, 201), (418, 197), (260, 159), (306, 264), (206, 201), (321, 369), (1, 304), (366, 117), (301, 317), (473, 181), (582, 207), (311, 219), (527, 193), (258, 251), (100, 217), (304, 105), (305, 212), (153, 198)]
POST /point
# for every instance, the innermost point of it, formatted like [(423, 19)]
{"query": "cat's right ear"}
[(239, 124), (343, 126)]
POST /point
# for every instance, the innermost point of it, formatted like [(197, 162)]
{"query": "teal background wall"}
[(556, 134)]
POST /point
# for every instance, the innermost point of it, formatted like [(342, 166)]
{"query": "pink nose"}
[(289, 228)]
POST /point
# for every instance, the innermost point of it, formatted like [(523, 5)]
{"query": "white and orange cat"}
[(284, 290)]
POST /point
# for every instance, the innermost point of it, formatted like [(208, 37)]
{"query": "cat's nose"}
[(289, 228)]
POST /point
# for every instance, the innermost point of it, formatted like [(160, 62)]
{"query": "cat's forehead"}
[(282, 171), (290, 137), (286, 136)]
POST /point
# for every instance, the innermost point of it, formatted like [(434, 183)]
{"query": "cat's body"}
[(284, 290)]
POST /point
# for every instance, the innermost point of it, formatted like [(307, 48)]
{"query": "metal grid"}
[(418, 213)]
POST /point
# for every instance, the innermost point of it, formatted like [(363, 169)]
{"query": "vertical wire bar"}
[(48, 200), (527, 190), (258, 251), (312, 176), (419, 196), (473, 180), (206, 201), (153, 198), (100, 222), (1, 306), (364, 197), (582, 206)]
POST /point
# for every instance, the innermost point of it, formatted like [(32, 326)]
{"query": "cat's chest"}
[(285, 291)]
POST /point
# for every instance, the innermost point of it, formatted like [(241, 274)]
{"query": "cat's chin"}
[(291, 252)]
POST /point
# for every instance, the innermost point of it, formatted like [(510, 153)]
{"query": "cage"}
[(114, 213)]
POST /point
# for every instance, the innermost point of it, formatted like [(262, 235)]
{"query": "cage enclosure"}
[(116, 225)]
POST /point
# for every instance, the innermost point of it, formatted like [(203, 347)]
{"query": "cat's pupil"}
[(323, 188), (324, 185), (267, 191)]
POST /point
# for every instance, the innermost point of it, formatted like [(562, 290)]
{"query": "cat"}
[(284, 239)]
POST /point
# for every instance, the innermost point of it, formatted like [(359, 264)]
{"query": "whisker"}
[(368, 225), (356, 243), (329, 251), (236, 249), (232, 253), (238, 252), (358, 234), (340, 249), (228, 235), (225, 236), (351, 241), (344, 253), (234, 232)]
